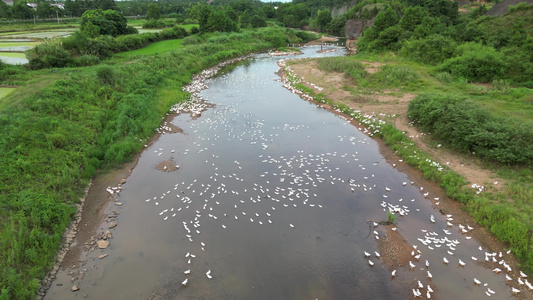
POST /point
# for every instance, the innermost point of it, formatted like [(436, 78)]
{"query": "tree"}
[(413, 17), (108, 22), (5, 10), (22, 11), (323, 18), (385, 19), (201, 13), (44, 9), (336, 26), (105, 4), (72, 8), (153, 12), (218, 21), (269, 11), (245, 20), (258, 21)]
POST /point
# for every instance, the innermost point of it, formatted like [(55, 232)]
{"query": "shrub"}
[(444, 77), (193, 40), (106, 75), (396, 75), (89, 60), (465, 127), (275, 37), (431, 50), (476, 63)]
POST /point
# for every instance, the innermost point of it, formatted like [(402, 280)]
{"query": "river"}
[(271, 200)]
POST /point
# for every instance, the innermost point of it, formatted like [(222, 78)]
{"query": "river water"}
[(273, 195)]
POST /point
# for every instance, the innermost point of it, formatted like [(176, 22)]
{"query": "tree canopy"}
[(103, 22)]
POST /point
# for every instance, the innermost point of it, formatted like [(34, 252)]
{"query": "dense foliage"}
[(55, 138), (466, 127), (97, 22), (470, 47)]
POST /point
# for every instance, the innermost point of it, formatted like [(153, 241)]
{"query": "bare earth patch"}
[(167, 166)]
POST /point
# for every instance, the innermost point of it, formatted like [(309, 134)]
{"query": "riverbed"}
[(266, 196)]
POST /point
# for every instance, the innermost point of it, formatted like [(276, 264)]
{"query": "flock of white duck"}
[(293, 181)]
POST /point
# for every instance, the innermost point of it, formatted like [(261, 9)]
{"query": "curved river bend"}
[(272, 196)]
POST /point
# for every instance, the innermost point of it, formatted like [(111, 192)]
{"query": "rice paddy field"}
[(15, 39)]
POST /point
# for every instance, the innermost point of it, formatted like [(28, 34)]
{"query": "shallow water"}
[(272, 195), (13, 60)]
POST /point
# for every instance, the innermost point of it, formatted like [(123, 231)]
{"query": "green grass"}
[(5, 91), (157, 47), (17, 44), (188, 27), (139, 22), (13, 54)]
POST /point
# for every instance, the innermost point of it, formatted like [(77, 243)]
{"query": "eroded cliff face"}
[(501, 8), (354, 28)]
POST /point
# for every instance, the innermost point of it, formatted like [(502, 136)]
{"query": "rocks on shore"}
[(102, 244), (112, 224)]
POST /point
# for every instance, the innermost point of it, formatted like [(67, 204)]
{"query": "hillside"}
[(501, 8)]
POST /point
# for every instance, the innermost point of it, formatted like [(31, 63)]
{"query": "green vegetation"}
[(74, 121), (5, 91), (466, 127), (391, 218), (154, 48)]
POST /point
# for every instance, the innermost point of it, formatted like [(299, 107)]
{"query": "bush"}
[(193, 40), (158, 23), (444, 77), (431, 50), (88, 60), (275, 37), (476, 63), (464, 126), (396, 76), (106, 75)]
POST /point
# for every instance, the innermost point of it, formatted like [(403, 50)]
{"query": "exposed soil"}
[(167, 166), (393, 247)]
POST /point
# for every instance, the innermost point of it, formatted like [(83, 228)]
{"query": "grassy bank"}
[(507, 213), (62, 125)]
